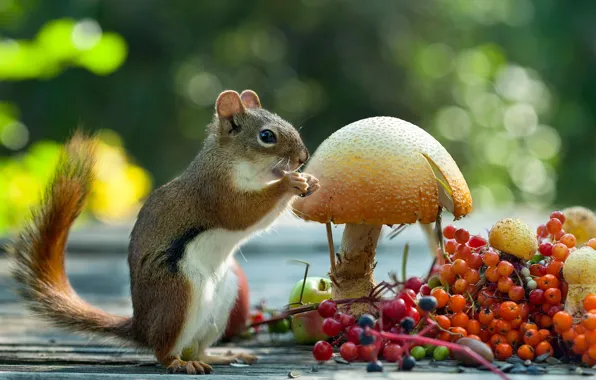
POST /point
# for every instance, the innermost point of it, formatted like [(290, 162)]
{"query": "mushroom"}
[(581, 222), (378, 171), (579, 272), (515, 237)]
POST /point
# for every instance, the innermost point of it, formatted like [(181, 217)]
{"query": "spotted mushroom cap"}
[(383, 170), (515, 237), (580, 267), (581, 222)]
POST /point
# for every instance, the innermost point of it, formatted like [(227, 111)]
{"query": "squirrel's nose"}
[(303, 157)]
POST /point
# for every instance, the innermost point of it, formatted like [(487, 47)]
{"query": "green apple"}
[(307, 327)]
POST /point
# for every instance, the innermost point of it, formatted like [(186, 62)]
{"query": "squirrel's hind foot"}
[(194, 367)]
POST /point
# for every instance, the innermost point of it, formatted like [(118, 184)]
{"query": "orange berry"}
[(548, 281), (579, 329), (543, 348), (568, 336), (514, 338), (528, 326), (459, 319), (589, 321), (505, 268), (509, 310), (492, 274), (459, 267), (580, 344), (497, 339), (473, 327), (474, 337), (590, 336), (544, 333), (472, 276), (485, 316), (491, 258), (503, 351), (457, 303), (569, 240), (545, 321), (516, 323), (586, 359), (590, 300), (459, 332), (503, 327), (532, 337), (516, 293), (445, 336), (525, 352), (591, 243), (554, 268), (592, 351), (504, 284), (441, 296), (560, 252), (553, 296), (446, 274), (562, 321), (443, 321), (460, 286)]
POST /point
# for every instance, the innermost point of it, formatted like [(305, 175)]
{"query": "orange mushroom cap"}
[(382, 170)]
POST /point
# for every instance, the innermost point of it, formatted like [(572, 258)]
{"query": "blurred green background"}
[(508, 86)]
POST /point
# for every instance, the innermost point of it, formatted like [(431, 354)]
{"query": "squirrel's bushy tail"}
[(38, 252)]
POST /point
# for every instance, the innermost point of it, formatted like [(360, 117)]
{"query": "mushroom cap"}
[(580, 266), (515, 237), (383, 170), (581, 222)]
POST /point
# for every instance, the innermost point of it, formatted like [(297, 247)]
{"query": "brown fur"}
[(203, 197)]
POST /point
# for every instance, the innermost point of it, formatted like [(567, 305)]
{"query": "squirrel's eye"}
[(267, 136)]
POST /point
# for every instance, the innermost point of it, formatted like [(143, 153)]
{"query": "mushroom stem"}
[(353, 274), (331, 248)]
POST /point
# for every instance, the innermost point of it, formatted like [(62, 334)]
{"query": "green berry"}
[(418, 352), (441, 353), (280, 326)]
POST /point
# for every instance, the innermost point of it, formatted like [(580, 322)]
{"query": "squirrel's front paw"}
[(313, 184), (297, 183)]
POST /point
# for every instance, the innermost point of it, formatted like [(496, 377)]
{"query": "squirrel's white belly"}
[(214, 287)]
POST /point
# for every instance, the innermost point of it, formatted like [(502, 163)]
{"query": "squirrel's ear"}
[(228, 103), (250, 99)]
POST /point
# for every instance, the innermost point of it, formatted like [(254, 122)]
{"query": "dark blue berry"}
[(366, 339), (407, 363), (374, 367), (428, 303), (366, 320), (407, 324)]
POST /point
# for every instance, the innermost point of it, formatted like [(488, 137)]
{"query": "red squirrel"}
[(182, 244)]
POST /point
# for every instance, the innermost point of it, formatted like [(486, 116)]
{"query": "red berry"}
[(462, 236), (414, 283), (354, 334), (449, 232), (331, 327), (346, 320), (554, 226), (546, 249), (392, 352), (537, 297), (450, 246), (558, 215), (322, 351), (425, 290), (349, 351), (367, 353), (541, 231), (477, 242), (327, 308), (414, 314), (395, 309), (409, 296)]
